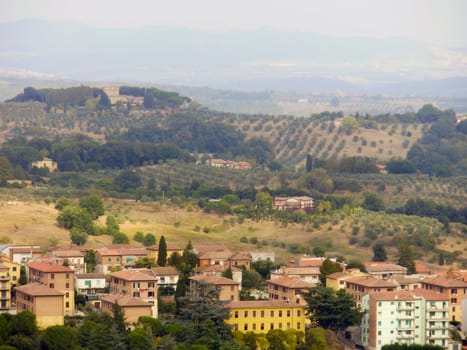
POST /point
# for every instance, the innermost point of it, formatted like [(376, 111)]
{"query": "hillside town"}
[(421, 308)]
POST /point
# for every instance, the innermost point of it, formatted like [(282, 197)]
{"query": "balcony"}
[(405, 336), (438, 336), (438, 308)]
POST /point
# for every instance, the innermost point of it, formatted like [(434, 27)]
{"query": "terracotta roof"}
[(169, 247), (301, 270), (223, 254), (216, 280), (36, 289), (67, 247), (14, 250), (384, 267), (409, 295), (46, 266), (262, 304), (211, 268), (165, 270), (83, 276), (291, 283), (369, 281), (445, 282), (124, 301), (67, 253), (119, 246), (122, 252), (422, 268), (404, 279), (456, 274), (133, 275)]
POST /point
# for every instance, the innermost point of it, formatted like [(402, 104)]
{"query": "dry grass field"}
[(35, 222)]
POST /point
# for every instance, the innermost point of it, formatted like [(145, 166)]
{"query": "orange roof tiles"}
[(36, 289), (291, 283), (215, 280), (133, 276), (45, 266)]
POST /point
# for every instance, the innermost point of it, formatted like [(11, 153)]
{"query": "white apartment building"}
[(405, 317)]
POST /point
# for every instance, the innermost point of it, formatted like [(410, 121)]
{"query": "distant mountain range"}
[(245, 60)]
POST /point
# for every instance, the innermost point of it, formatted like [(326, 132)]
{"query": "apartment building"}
[(228, 289), (44, 302), (5, 288), (261, 316), (90, 283), (336, 280), (405, 317), (308, 274), (133, 308), (288, 289), (55, 276), (359, 286), (384, 270), (454, 290)]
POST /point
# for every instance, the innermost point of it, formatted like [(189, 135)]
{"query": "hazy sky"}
[(433, 21)]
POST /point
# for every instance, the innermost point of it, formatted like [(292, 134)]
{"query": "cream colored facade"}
[(405, 317), (261, 316), (54, 276), (5, 288), (46, 303)]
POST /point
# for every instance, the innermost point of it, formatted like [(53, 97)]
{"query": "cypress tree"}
[(162, 253)]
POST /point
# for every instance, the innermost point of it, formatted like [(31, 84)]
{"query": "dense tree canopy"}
[(330, 310)]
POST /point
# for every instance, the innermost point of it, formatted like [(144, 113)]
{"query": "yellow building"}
[(14, 269), (336, 280), (260, 316), (44, 302)]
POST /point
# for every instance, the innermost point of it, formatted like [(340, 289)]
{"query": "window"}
[(236, 314), (379, 323), (232, 288), (245, 327), (288, 325), (67, 285), (288, 313), (298, 325), (280, 313), (254, 326), (67, 276), (262, 315), (454, 291), (67, 304), (52, 276), (150, 284), (51, 285), (150, 294), (254, 313), (272, 314), (272, 326), (109, 259), (262, 326), (299, 313), (245, 314), (67, 294), (280, 325)]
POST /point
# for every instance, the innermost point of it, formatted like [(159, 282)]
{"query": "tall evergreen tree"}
[(162, 253), (379, 252)]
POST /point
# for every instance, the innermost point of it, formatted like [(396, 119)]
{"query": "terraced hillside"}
[(294, 138)]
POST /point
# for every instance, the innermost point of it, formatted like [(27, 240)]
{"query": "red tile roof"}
[(125, 301), (215, 280), (289, 282), (133, 276), (46, 266), (36, 289)]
